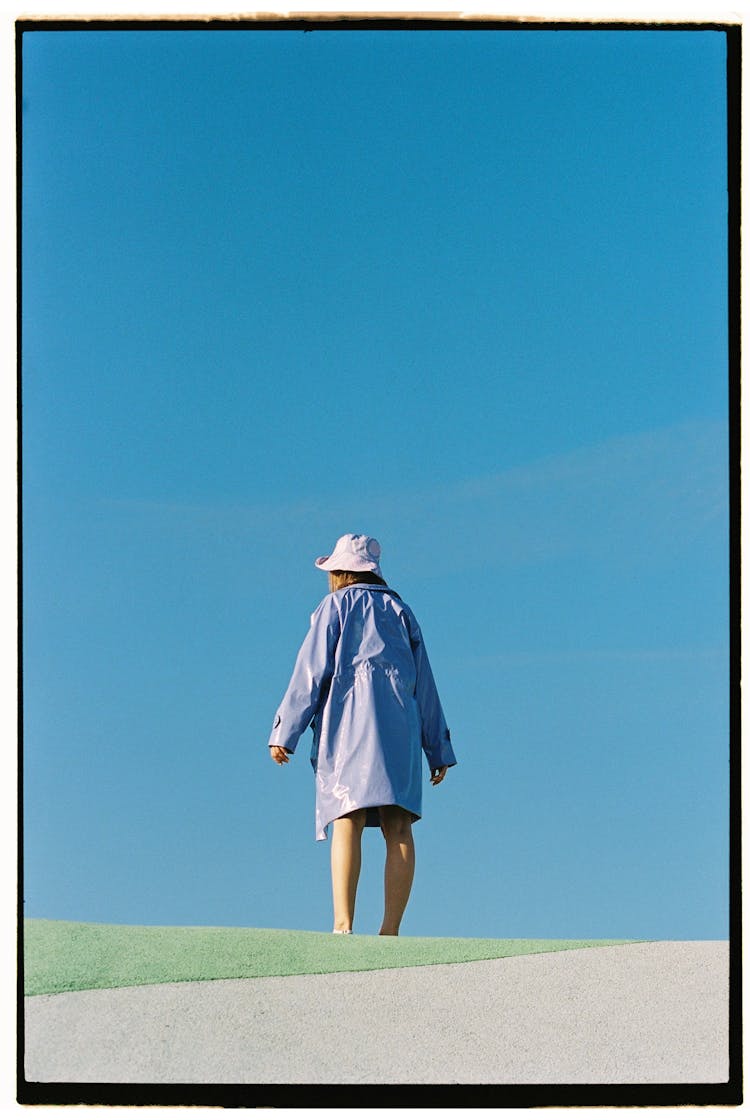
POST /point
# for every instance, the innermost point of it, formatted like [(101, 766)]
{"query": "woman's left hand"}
[(438, 774), (279, 754)]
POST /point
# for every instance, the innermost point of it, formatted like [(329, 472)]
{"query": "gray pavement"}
[(645, 1013)]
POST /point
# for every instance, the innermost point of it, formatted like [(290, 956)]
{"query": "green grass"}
[(71, 956)]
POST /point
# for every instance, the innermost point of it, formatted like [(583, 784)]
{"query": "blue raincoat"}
[(362, 679)]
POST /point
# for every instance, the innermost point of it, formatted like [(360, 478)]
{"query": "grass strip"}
[(62, 956)]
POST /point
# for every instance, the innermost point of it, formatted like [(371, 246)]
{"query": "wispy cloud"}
[(632, 497)]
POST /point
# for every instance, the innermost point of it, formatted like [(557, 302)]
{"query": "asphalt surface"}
[(655, 1012)]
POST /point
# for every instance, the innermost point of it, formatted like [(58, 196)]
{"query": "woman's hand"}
[(279, 754), (437, 775)]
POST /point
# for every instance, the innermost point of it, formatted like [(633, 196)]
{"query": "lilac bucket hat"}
[(354, 552)]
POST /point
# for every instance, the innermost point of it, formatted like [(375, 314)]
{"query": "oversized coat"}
[(363, 680)]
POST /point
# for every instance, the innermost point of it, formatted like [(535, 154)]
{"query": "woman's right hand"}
[(279, 754), (437, 775)]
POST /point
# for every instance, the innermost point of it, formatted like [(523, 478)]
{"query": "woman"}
[(362, 678)]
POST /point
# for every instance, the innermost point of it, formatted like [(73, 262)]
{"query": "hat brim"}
[(346, 562)]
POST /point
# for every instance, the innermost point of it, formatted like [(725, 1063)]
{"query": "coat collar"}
[(368, 587)]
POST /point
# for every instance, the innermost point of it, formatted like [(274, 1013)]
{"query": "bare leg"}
[(399, 865), (346, 860)]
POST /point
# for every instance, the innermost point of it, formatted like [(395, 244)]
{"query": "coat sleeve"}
[(312, 674), (436, 738)]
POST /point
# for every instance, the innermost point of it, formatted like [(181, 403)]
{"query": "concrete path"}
[(647, 1013)]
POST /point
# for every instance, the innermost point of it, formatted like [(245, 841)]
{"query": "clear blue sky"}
[(464, 291)]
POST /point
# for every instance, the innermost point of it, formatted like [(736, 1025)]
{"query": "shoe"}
[(341, 931)]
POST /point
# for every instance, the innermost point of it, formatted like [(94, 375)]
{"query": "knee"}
[(395, 822), (356, 820)]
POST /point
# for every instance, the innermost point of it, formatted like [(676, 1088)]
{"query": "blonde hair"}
[(346, 579)]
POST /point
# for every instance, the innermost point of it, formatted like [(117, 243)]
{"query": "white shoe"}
[(342, 931)]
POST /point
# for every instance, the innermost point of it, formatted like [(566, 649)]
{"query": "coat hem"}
[(322, 833)]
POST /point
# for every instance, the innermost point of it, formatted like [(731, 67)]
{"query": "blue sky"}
[(464, 291)]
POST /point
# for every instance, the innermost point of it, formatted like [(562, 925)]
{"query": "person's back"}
[(375, 630), (367, 742)]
